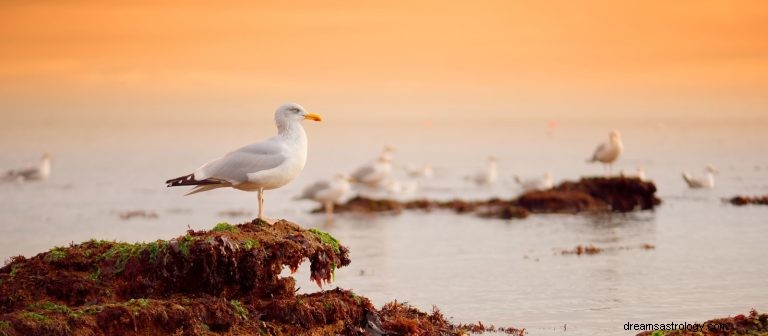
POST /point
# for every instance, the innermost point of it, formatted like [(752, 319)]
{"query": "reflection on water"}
[(708, 261)]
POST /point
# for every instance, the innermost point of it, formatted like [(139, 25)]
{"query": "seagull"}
[(374, 173), (608, 152), (424, 171), (265, 165), (542, 183), (701, 182), (39, 173), (490, 174), (327, 192)]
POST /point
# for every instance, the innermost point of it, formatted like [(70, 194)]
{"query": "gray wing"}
[(312, 189), (362, 172), (599, 150), (235, 166)]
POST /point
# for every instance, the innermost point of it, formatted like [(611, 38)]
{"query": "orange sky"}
[(70, 59)]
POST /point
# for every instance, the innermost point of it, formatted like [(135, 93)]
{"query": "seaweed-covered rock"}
[(621, 194), (225, 281), (592, 194), (746, 200), (750, 324)]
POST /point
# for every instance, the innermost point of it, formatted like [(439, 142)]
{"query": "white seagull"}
[(541, 183), (424, 171), (488, 176), (265, 165), (39, 173), (328, 193), (609, 151), (701, 182), (374, 173)]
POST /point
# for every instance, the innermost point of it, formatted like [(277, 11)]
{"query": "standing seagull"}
[(374, 173), (39, 173), (543, 183), (701, 182), (609, 151), (489, 176), (327, 192), (265, 165)]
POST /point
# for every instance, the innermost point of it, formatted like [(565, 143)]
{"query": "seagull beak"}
[(314, 117)]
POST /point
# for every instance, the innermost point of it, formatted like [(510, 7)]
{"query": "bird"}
[(542, 183), (327, 192), (39, 173), (609, 151), (265, 165), (374, 173), (488, 176), (424, 171), (701, 182)]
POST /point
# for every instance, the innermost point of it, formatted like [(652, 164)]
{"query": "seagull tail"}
[(189, 180), (687, 179)]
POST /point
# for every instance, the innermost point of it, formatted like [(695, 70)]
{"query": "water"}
[(709, 259)]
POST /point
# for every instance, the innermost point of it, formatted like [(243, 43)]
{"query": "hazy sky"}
[(74, 61)]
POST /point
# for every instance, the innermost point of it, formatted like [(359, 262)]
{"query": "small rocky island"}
[(590, 194), (225, 281)]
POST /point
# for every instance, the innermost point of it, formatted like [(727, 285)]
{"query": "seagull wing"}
[(312, 190), (600, 149), (363, 173), (235, 166)]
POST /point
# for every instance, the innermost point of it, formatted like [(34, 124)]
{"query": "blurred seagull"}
[(265, 165), (609, 151), (39, 173), (328, 193), (541, 183), (374, 173), (424, 171), (701, 182), (488, 176)]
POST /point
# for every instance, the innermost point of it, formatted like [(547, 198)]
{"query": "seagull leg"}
[(261, 203), (329, 210)]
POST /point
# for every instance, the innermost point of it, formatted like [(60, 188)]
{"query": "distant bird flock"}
[(276, 161)]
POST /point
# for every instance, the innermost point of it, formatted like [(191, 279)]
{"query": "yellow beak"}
[(312, 116)]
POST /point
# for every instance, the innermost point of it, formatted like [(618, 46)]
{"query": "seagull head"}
[(711, 169), (615, 136), (294, 112)]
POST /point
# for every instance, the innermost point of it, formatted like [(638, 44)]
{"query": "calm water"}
[(709, 259)]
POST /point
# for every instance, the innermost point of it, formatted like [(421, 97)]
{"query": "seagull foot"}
[(265, 221)]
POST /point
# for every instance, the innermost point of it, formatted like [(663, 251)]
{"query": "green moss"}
[(224, 226), (14, 270), (4, 326), (34, 316), (50, 306), (327, 239), (239, 309), (250, 243), (95, 275), (137, 304), (184, 244), (155, 248), (55, 254), (121, 252)]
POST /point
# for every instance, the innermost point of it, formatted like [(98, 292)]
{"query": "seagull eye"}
[(295, 110)]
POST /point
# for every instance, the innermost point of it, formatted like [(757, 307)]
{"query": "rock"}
[(750, 324), (594, 194), (746, 200), (225, 281)]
